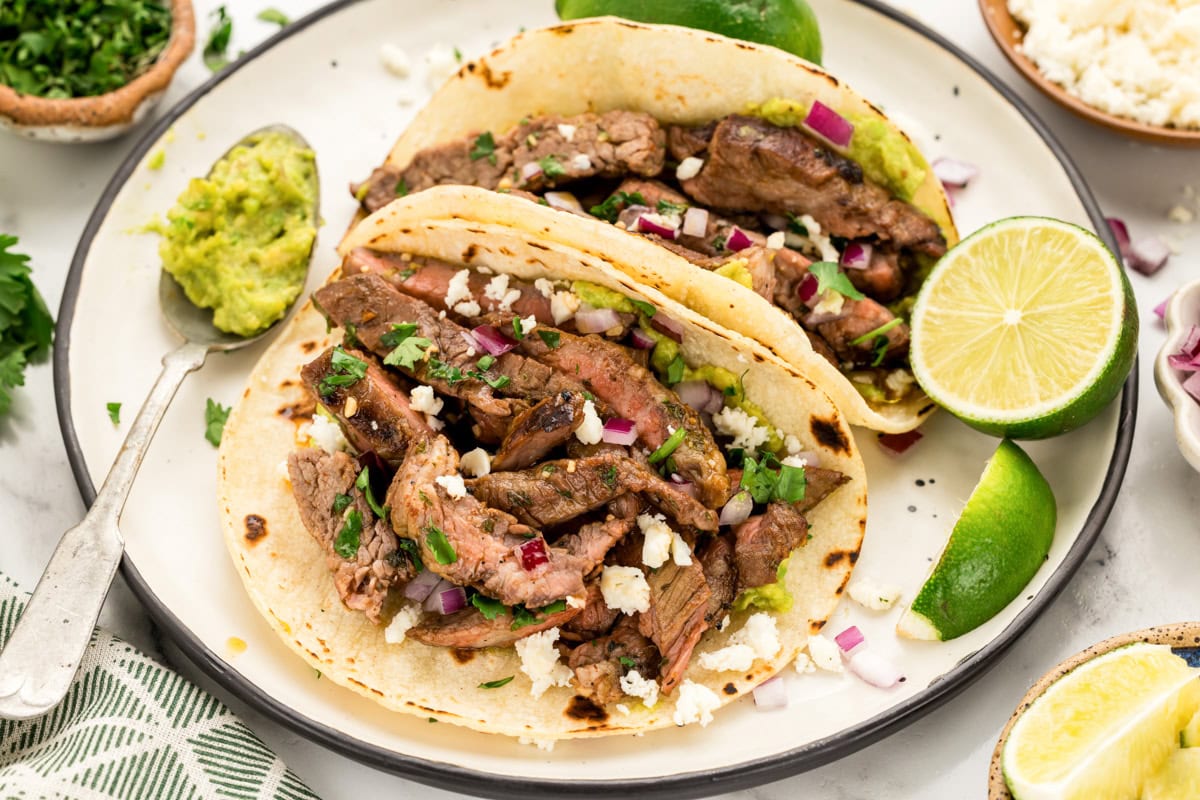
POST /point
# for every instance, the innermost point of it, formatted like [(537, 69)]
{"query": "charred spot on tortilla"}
[(256, 527), (470, 253), (462, 655), (830, 434), (296, 411), (538, 245), (584, 708), (729, 688), (836, 556), (490, 79), (246, 393), (308, 346)]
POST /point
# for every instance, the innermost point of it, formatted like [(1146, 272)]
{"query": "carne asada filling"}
[(527, 530)]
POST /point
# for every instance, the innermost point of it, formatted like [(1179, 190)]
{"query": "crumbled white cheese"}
[(625, 589), (425, 401), (405, 618), (724, 623), (673, 221), (794, 461), (497, 287), (476, 463), (395, 60), (545, 286), (819, 240), (453, 484), (440, 64), (582, 162), (634, 685), (824, 653), (528, 324), (689, 168), (804, 664), (731, 658), (695, 704), (873, 595), (831, 302), (745, 430), (758, 638), (898, 381), (468, 308), (546, 745), (563, 306), (510, 297), (566, 131), (575, 602), (405, 97), (656, 541), (591, 429), (459, 288), (792, 444), (777, 240), (681, 553), (326, 434), (539, 661), (1181, 214)]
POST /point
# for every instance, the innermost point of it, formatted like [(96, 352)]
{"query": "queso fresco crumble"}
[(1134, 58)]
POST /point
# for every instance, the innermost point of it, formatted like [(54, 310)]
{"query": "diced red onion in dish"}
[(897, 443), (531, 170), (645, 224), (629, 215), (875, 669), (737, 510), (533, 554), (1120, 232), (700, 396), (685, 486), (1192, 385), (1160, 310), (1148, 256), (770, 695), (828, 124), (563, 200), (471, 341), (420, 587), (857, 255), (665, 325), (619, 431), (807, 290), (446, 598), (492, 340), (641, 340), (695, 221), (850, 639), (1188, 357), (596, 320), (737, 240), (955, 173)]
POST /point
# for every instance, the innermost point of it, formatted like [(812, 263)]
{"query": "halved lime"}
[(1102, 729), (1179, 778), (996, 547), (789, 25), (1026, 329), (1190, 737)]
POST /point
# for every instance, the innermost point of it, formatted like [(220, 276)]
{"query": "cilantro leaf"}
[(485, 147), (349, 537), (215, 415), (675, 371), (611, 208), (496, 684), (363, 484), (114, 412), (551, 167), (12, 374), (830, 277), (549, 338), (485, 363), (443, 371), (647, 309), (489, 607), (408, 349), (627, 662), (667, 207), (792, 485), (401, 188), (341, 502), (274, 15), (523, 616), (218, 41), (518, 328), (443, 551), (26, 327), (344, 370), (413, 551)]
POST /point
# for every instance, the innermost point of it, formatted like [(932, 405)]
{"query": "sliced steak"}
[(365, 581), (598, 667), (593, 540), (632, 392), (687, 142), (471, 630), (860, 317), (595, 618), (556, 491), (373, 412), (820, 483), (679, 598), (538, 430), (720, 573), (765, 540), (478, 544), (883, 279), (752, 165)]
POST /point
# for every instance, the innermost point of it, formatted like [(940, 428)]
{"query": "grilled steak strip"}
[(483, 540), (556, 491), (679, 598), (598, 667), (860, 317), (595, 619), (373, 412), (752, 165), (365, 581), (609, 145), (632, 392), (471, 630), (720, 573), (765, 540), (538, 430), (820, 483), (593, 540)]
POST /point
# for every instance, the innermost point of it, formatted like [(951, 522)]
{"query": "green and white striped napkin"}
[(130, 728)]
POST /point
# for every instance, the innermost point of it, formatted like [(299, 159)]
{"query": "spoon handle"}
[(41, 657)]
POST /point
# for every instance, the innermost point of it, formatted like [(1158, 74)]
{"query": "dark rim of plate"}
[(692, 784)]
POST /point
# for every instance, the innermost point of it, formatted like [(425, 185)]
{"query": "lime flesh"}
[(1179, 778)]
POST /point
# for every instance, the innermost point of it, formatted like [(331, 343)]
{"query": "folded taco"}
[(487, 478), (784, 205)]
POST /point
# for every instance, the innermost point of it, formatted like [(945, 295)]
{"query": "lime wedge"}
[(1190, 737), (1179, 778), (1102, 729), (996, 546), (1026, 329)]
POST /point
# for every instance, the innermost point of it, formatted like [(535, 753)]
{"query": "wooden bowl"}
[(104, 116), (1185, 635), (1008, 34)]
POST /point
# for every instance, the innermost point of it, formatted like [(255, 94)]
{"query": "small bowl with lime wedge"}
[(1177, 369)]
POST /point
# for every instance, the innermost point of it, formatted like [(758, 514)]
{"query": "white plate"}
[(323, 77)]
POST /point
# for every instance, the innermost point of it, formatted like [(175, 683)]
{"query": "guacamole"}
[(239, 240)]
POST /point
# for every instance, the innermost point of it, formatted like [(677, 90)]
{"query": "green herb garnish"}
[(349, 537), (413, 551), (551, 167), (675, 371), (114, 412), (496, 684), (882, 329), (446, 372), (443, 551), (274, 15), (796, 226), (768, 480), (667, 207), (518, 329), (363, 484), (218, 40), (407, 349), (669, 446), (549, 338), (344, 370), (488, 606), (401, 189), (215, 415), (609, 476), (627, 662), (830, 277), (646, 308), (341, 502), (26, 326), (485, 363), (485, 147), (609, 211), (522, 616)]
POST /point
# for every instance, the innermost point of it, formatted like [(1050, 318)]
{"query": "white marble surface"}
[(1141, 572)]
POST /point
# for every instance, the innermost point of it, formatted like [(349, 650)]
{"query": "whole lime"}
[(789, 25)]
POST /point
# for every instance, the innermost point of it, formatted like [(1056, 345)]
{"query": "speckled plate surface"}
[(323, 76)]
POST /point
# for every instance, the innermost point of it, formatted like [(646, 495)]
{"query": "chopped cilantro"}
[(413, 551), (485, 147), (523, 617), (488, 606), (882, 329), (551, 167), (611, 208), (341, 502), (609, 476), (549, 469), (408, 349), (344, 370), (401, 189), (442, 370), (363, 484), (644, 307), (518, 329), (349, 536), (768, 480), (796, 226), (496, 684), (675, 371), (114, 412), (549, 338), (215, 415), (627, 662), (668, 446), (792, 484), (667, 207), (458, 55), (880, 350), (350, 338), (485, 363), (218, 40), (274, 15), (443, 551), (830, 277), (26, 326)]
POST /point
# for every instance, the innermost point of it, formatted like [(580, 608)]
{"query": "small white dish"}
[(1183, 311)]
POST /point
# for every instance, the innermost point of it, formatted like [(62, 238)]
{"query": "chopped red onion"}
[(1120, 232), (1148, 256), (471, 341), (533, 554), (897, 443), (619, 431), (850, 639), (807, 290), (1192, 385), (665, 325), (857, 255), (531, 171), (1160, 310), (446, 598), (738, 240), (701, 396), (1188, 357), (685, 486), (563, 200), (641, 340), (829, 125), (420, 587), (955, 173), (875, 669), (630, 214), (737, 510), (645, 224), (596, 320), (695, 221), (770, 695), (492, 340)]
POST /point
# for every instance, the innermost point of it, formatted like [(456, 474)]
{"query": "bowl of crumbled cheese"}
[(1130, 65)]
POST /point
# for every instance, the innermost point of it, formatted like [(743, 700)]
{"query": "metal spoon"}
[(40, 660)]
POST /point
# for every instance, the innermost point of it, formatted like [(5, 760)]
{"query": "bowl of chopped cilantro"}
[(85, 70)]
